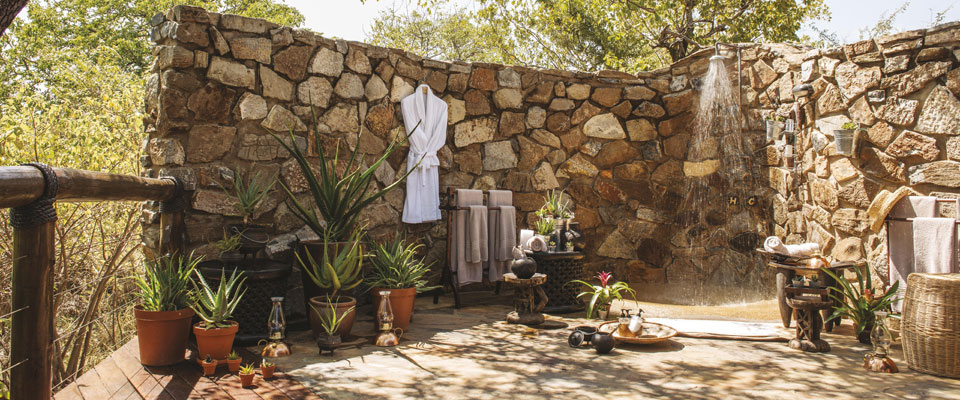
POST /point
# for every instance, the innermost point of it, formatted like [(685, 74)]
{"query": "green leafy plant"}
[(340, 271), (249, 195), (246, 369), (774, 117), (216, 307), (339, 191), (860, 303), (233, 355), (545, 226), (229, 243), (330, 321), (850, 126), (603, 294), (165, 285), (265, 364), (395, 265), (555, 205)]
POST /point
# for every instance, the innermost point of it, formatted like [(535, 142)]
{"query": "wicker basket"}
[(931, 324)]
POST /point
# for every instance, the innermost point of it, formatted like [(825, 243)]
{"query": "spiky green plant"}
[(336, 272), (330, 321), (248, 195), (165, 285), (395, 265), (265, 364), (246, 369), (545, 226), (216, 307), (340, 191), (554, 205), (233, 355), (229, 243), (603, 294), (859, 304)]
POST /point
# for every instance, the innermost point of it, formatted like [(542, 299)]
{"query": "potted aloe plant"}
[(248, 196), (228, 248), (331, 321), (340, 190), (246, 375), (602, 295), (233, 361), (334, 273), (395, 266), (860, 303), (215, 331), (164, 313), (267, 368)]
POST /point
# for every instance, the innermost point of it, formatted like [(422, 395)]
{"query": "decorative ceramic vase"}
[(524, 267), (162, 335), (603, 342), (216, 342)]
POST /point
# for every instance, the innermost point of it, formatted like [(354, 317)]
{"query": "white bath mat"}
[(731, 330)]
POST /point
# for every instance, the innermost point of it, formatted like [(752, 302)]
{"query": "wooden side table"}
[(527, 292), (808, 303), (785, 274), (561, 267)]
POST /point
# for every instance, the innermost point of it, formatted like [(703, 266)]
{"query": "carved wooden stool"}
[(526, 293), (808, 302)]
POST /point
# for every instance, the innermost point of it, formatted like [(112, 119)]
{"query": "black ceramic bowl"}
[(587, 332)]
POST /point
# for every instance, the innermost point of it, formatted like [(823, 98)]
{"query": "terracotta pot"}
[(316, 249), (162, 335), (216, 342), (234, 365), (267, 372), (209, 368), (319, 304), (401, 301), (247, 379)]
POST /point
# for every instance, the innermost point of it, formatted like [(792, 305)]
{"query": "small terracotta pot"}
[(209, 368), (401, 301), (267, 372), (319, 304), (162, 335), (216, 342), (234, 365), (247, 380)]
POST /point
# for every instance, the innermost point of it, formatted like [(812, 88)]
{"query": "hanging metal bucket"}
[(774, 129), (844, 140)]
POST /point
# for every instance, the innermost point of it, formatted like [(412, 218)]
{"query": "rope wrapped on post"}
[(176, 203), (41, 210)]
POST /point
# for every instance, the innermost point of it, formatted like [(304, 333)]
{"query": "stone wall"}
[(902, 89), (617, 143)]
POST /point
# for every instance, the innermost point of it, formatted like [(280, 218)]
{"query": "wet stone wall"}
[(616, 143)]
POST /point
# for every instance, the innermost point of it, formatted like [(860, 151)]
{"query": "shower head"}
[(716, 53)]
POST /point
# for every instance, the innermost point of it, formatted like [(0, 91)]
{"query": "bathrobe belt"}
[(429, 160)]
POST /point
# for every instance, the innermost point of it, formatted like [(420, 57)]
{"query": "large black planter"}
[(265, 279)]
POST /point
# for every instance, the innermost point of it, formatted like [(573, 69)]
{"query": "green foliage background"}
[(73, 74)]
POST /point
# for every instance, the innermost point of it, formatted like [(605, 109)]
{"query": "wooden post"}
[(33, 265)]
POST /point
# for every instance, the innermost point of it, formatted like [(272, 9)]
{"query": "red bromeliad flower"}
[(868, 294), (604, 277)]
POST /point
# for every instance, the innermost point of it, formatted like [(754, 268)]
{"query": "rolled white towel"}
[(536, 244), (773, 244)]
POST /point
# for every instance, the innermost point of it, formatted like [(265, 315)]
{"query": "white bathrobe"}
[(423, 184)]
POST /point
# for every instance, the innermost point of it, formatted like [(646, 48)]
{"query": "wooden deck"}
[(121, 376)]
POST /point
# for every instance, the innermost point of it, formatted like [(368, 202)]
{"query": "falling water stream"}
[(716, 224)]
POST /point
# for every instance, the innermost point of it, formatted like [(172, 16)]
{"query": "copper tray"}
[(652, 333)]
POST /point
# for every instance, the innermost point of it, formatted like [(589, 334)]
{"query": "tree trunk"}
[(8, 12)]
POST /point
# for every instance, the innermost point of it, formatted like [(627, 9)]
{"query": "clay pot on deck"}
[(401, 302), (247, 379), (216, 342), (234, 365), (209, 368), (342, 304), (162, 335), (267, 372)]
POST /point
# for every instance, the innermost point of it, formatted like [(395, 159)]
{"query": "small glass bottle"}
[(881, 337), (276, 324)]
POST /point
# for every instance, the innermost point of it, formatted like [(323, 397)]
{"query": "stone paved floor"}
[(470, 353)]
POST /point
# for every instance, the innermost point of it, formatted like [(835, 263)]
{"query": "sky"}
[(351, 19)]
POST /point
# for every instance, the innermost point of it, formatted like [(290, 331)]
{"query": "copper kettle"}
[(274, 349)]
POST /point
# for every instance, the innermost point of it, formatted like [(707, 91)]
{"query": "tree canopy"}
[(629, 35)]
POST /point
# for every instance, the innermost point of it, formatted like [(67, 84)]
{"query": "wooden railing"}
[(31, 191)]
